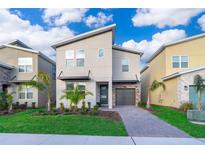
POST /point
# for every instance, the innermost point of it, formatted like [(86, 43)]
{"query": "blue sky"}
[(142, 29)]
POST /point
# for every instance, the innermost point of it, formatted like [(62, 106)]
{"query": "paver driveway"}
[(142, 123)]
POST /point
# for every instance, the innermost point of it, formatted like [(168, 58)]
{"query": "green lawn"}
[(25, 122), (179, 120)]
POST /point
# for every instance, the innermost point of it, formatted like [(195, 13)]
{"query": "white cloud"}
[(63, 16), (13, 27), (149, 47), (97, 21), (201, 22), (164, 17)]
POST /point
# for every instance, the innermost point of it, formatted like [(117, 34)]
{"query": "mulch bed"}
[(110, 115), (3, 113), (113, 115)]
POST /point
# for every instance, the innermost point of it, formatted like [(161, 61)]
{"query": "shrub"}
[(99, 104), (84, 109), (95, 110), (22, 106), (33, 105), (62, 108), (141, 104), (3, 101), (186, 106), (89, 106)]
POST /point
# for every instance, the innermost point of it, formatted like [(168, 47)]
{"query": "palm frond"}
[(155, 85), (198, 82), (36, 84)]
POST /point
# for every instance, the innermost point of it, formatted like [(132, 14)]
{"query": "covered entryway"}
[(125, 96), (193, 96)]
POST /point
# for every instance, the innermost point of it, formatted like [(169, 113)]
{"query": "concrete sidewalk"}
[(43, 139)]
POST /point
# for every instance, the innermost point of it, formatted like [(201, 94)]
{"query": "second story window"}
[(101, 53), (179, 61), (125, 65), (184, 61), (69, 56), (80, 58), (25, 65)]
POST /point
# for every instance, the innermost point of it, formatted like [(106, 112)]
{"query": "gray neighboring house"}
[(92, 61), (20, 63)]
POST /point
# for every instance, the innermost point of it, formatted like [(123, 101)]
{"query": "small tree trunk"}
[(10, 107), (148, 100), (49, 103), (199, 101)]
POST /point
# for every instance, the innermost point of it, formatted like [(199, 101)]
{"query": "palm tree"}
[(200, 87), (155, 85), (43, 82), (75, 95)]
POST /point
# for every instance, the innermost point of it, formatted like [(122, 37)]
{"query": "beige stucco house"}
[(20, 63), (92, 61), (175, 64)]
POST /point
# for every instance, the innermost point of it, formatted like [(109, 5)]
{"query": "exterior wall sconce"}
[(185, 88)]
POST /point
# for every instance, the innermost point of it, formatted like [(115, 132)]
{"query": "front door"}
[(104, 94)]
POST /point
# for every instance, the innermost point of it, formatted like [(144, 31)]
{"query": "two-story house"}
[(175, 64), (20, 63), (91, 60)]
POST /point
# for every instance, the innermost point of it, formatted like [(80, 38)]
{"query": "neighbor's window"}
[(26, 93), (53, 72), (69, 55), (80, 58), (25, 64), (125, 65), (101, 53), (180, 61), (184, 61)]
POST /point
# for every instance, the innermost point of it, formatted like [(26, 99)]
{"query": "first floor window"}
[(69, 86), (125, 65), (25, 64), (26, 93), (81, 87)]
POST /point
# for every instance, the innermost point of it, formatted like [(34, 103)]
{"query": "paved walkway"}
[(141, 123), (42, 139)]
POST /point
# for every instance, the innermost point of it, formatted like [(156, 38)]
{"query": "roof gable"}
[(85, 35), (161, 49)]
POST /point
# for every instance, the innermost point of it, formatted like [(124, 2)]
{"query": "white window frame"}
[(127, 64), (180, 61), (25, 64), (70, 58), (25, 91), (99, 52), (80, 58), (75, 84)]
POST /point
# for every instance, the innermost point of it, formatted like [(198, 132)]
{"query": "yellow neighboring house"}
[(175, 64)]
